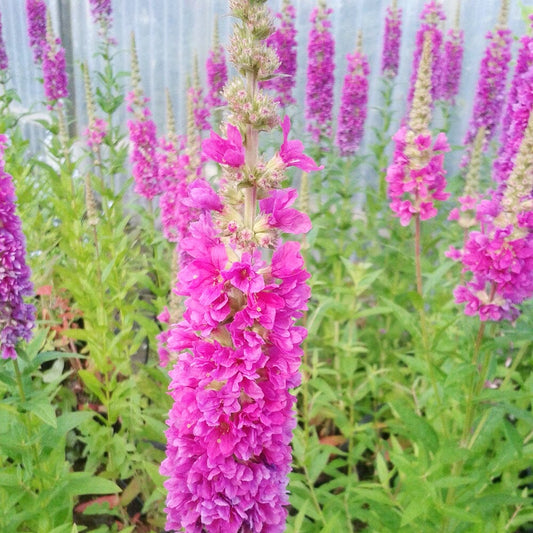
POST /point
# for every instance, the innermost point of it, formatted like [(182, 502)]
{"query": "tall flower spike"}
[(431, 18), (354, 100), (36, 17), (320, 74), (142, 134), (283, 41), (499, 257), (390, 59), (101, 13), (16, 317), (217, 73), (54, 67), (466, 214), (451, 62), (416, 177), (200, 109), (518, 107), (237, 347), (493, 71)]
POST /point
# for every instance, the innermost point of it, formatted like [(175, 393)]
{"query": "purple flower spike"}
[(3, 55), (16, 317), (320, 79), (36, 16), (431, 17), (450, 66), (283, 41), (354, 99), (391, 42), (489, 97)]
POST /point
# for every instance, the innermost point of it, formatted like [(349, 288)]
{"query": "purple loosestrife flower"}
[(3, 55), (143, 143), (451, 61), (142, 135), (291, 152), (201, 111), (391, 41), (55, 79), (500, 255), (431, 17), (217, 73), (417, 177), (36, 16), (320, 69), (95, 133), (283, 41), (16, 317), (354, 99), (518, 108), (237, 348), (101, 11), (490, 90)]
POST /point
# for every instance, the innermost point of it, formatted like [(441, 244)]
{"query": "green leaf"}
[(417, 427), (93, 384), (82, 483), (417, 507), (42, 409)]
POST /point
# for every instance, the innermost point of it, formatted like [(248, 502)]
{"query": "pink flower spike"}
[(228, 151), (291, 152)]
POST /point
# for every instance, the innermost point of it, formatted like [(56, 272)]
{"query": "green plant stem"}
[(19, 380), (418, 265), (424, 325)]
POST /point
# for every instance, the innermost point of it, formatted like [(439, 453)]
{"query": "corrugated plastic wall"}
[(170, 32)]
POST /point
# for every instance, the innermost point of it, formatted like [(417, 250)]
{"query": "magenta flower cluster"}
[(352, 113), (431, 17), (16, 317), (143, 147), (451, 62), (55, 80), (283, 41), (217, 75), (320, 75), (501, 267), (3, 55), (390, 59), (95, 133), (417, 178), (228, 451), (490, 92), (36, 17)]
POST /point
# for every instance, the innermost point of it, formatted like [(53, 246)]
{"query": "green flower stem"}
[(424, 324), (19, 380)]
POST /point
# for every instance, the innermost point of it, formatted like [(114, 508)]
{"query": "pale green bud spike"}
[(196, 73), (216, 35), (193, 144), (359, 41), (457, 21), (135, 71), (474, 168), (90, 203), (504, 13), (88, 93), (171, 123), (50, 37), (520, 181), (420, 115), (394, 5)]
